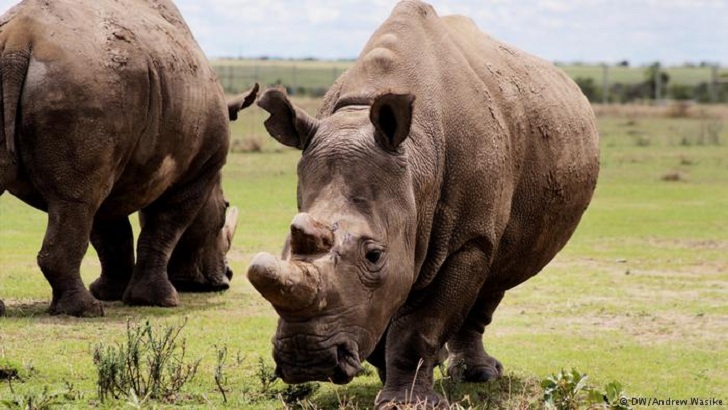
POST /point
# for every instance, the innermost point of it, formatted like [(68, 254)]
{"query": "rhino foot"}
[(2, 308), (78, 303), (107, 289), (151, 293), (473, 372)]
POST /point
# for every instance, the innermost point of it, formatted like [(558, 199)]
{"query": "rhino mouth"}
[(338, 364), (201, 282)]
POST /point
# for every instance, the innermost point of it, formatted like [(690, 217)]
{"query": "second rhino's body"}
[(444, 168)]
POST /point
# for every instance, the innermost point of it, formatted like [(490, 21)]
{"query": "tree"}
[(656, 77)]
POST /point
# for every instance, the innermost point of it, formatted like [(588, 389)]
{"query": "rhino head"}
[(198, 262), (348, 262)]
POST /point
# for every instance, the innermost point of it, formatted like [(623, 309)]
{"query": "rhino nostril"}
[(229, 273)]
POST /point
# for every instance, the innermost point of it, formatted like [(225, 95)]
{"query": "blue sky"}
[(592, 31)]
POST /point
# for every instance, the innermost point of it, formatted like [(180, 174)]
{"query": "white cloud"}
[(556, 5), (317, 14), (673, 31)]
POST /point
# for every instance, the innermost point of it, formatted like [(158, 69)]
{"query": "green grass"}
[(638, 295)]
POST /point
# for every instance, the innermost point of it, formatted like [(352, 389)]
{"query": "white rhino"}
[(444, 168)]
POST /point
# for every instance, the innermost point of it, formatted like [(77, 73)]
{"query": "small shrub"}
[(642, 141), (687, 161), (710, 131), (565, 390), (247, 145), (8, 370), (679, 109), (571, 391), (266, 375), (290, 394), (297, 393), (42, 400), (148, 365), (614, 397), (673, 177)]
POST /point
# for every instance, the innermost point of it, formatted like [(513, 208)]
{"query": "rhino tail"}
[(14, 64)]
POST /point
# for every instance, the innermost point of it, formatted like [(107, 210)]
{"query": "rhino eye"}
[(373, 256)]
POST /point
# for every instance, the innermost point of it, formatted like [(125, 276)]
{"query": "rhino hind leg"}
[(114, 243), (468, 360), (149, 285), (64, 245)]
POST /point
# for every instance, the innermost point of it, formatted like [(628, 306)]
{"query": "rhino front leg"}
[(64, 245), (163, 224), (114, 243), (418, 332), (468, 360)]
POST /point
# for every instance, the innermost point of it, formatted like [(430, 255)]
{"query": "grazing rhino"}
[(444, 168), (110, 107)]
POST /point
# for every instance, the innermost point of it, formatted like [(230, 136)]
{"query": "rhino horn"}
[(231, 223), (309, 237), (287, 286)]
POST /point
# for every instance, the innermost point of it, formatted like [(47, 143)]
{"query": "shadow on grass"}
[(512, 391), (117, 312)]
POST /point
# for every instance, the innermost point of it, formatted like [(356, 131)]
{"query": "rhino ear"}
[(288, 124), (241, 102), (391, 115)]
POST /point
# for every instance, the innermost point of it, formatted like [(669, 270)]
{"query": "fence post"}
[(230, 79), (714, 83), (658, 83), (295, 79), (605, 83)]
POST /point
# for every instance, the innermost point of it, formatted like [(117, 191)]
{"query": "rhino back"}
[(544, 130), (503, 144), (119, 88)]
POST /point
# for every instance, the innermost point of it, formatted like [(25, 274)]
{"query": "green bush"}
[(148, 365), (571, 391)]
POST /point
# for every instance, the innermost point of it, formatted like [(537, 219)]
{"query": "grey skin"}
[(108, 108), (444, 168)]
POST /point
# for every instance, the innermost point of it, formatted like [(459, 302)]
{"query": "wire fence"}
[(302, 78), (600, 83)]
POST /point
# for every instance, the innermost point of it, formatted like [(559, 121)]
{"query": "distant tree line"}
[(312, 78), (657, 85)]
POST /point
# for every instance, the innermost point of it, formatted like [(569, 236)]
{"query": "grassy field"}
[(240, 74), (638, 295), (632, 75)]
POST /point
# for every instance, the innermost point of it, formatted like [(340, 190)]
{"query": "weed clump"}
[(247, 145), (148, 365), (571, 390), (289, 394), (8, 370)]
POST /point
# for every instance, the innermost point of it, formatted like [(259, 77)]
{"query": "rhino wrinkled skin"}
[(110, 107), (444, 168)]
